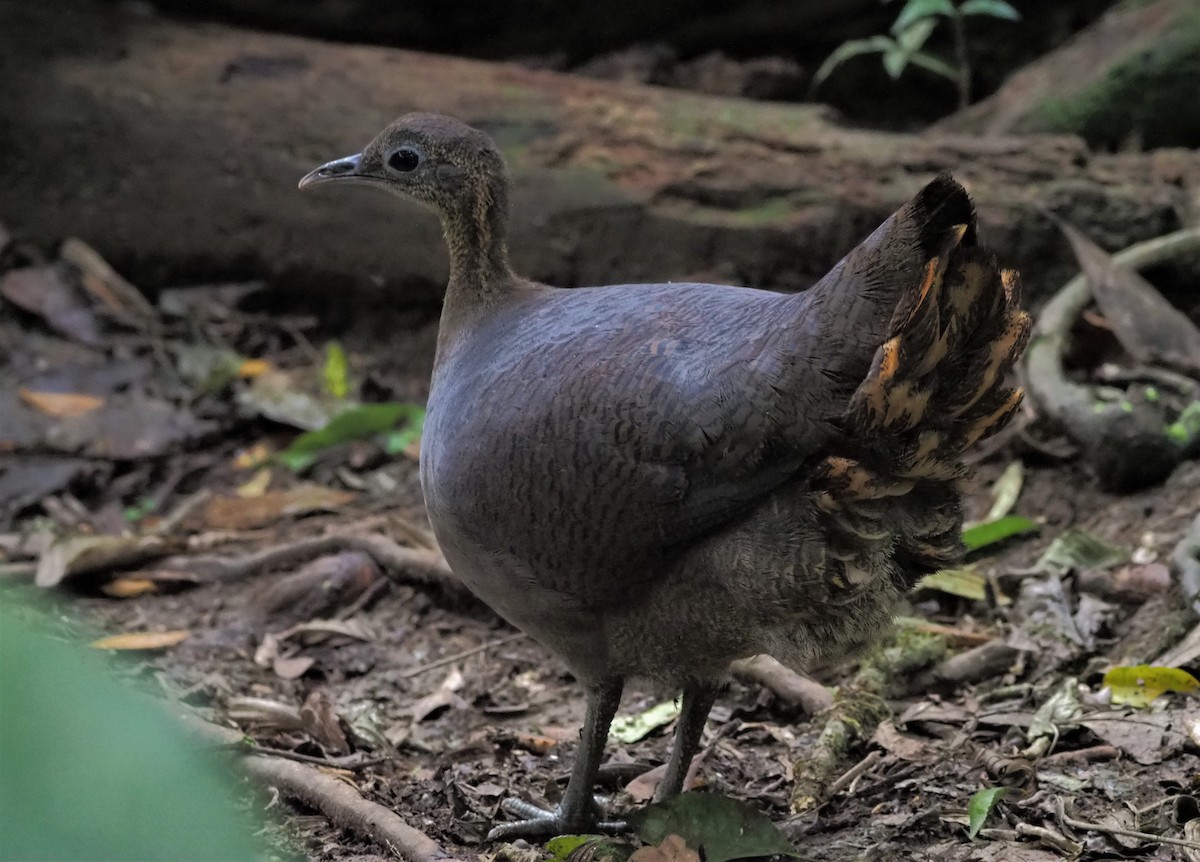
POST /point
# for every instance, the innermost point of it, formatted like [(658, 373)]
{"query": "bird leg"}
[(697, 701), (577, 812)]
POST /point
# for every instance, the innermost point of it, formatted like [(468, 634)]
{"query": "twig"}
[(398, 562), (787, 685), (1096, 752), (458, 656), (1056, 840), (1068, 820), (852, 774), (336, 799)]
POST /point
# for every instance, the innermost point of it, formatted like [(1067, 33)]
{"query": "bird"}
[(655, 480)]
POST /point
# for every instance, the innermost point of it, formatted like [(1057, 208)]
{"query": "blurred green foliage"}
[(91, 770)]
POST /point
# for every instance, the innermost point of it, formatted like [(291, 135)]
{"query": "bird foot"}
[(538, 822)]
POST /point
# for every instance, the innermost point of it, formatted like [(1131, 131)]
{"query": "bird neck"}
[(476, 228)]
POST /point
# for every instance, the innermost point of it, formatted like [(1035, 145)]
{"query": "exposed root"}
[(1124, 442), (336, 799), (787, 685)]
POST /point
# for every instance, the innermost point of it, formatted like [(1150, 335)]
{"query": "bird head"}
[(431, 158)]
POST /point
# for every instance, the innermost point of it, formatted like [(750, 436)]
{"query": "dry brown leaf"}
[(443, 697), (534, 743), (128, 588), (142, 640), (896, 743), (672, 849), (61, 404), (75, 555), (45, 291), (1145, 323), (322, 723), (105, 283), (238, 513), (253, 367)]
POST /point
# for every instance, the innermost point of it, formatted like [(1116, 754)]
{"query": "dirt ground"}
[(434, 708)]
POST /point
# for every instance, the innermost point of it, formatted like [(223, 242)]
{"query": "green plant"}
[(909, 33)]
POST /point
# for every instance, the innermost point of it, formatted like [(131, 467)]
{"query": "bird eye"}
[(404, 159)]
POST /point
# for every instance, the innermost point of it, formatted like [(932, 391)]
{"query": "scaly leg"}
[(697, 701), (577, 811)]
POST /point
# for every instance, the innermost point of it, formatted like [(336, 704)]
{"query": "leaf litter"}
[(1000, 683)]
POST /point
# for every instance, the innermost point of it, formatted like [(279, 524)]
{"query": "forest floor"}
[(163, 447)]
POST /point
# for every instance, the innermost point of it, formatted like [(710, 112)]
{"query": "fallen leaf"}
[(256, 486), (1006, 491), (128, 427), (629, 729), (672, 849), (1146, 324), (981, 806), (28, 478), (128, 588), (48, 293), (1078, 549), (718, 827), (990, 532), (292, 667), (61, 404), (239, 513), (75, 555), (103, 282), (253, 368), (966, 582), (356, 423), (254, 456), (141, 640), (1139, 685), (1148, 737), (443, 697), (321, 722), (905, 747)]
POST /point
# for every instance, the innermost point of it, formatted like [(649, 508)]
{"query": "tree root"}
[(336, 799), (787, 685), (1125, 442), (425, 566)]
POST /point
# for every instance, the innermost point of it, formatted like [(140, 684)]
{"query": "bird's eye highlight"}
[(404, 159)]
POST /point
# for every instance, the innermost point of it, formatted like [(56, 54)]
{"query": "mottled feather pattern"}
[(935, 388)]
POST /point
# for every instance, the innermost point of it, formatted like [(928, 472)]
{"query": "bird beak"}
[(338, 169)]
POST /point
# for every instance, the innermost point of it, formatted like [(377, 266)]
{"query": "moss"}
[(1146, 99)]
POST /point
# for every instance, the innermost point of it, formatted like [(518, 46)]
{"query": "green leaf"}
[(981, 806), (1186, 429), (1138, 685), (718, 827), (894, 62), (912, 38), (847, 50), (916, 10), (990, 532), (337, 370), (595, 848), (933, 64), (967, 583), (81, 747), (356, 423), (1079, 549), (402, 438), (993, 8)]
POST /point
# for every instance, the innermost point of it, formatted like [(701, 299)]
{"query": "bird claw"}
[(538, 822)]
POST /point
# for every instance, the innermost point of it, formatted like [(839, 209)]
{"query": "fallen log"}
[(174, 150)]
